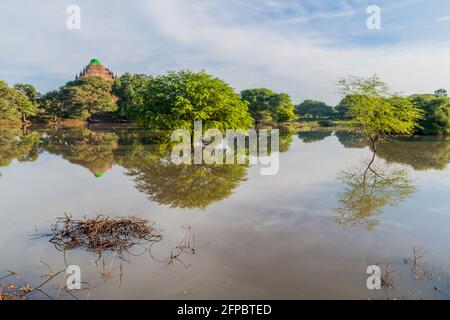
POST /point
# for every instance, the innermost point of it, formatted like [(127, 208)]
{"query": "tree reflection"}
[(369, 189), (421, 153), (15, 144), (313, 136), (181, 186), (90, 149)]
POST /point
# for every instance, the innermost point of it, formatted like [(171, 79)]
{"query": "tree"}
[(441, 93), (378, 113), (130, 91), (15, 105), (52, 105), (314, 109), (28, 90), (266, 105), (88, 95), (177, 99), (284, 108), (341, 110), (436, 109)]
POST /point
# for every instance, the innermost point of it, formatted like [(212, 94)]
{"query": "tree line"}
[(176, 99)]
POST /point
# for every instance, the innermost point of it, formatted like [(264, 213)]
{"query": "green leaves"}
[(266, 105), (14, 104), (379, 113), (436, 109), (177, 99)]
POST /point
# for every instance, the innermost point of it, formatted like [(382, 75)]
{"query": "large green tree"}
[(86, 96), (177, 99)]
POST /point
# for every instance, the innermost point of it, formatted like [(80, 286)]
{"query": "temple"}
[(96, 69)]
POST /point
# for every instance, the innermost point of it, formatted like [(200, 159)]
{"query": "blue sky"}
[(297, 46)]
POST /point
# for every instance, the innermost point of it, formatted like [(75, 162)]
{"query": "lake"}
[(309, 232)]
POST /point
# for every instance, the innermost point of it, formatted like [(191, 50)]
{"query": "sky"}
[(301, 47)]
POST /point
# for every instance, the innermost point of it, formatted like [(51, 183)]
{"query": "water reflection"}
[(369, 189), (421, 153), (15, 144), (144, 155), (313, 136), (92, 150)]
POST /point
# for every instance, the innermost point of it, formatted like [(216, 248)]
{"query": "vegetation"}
[(314, 109), (376, 111), (15, 105), (130, 91), (436, 109), (177, 99), (266, 105)]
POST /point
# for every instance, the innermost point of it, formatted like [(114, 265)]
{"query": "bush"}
[(326, 123)]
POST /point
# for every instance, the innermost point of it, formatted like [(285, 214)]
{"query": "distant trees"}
[(266, 105), (177, 99), (314, 109)]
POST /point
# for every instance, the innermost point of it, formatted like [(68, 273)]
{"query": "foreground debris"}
[(102, 234)]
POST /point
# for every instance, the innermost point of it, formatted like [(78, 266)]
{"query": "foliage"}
[(266, 105), (326, 123), (379, 113), (177, 99), (436, 109), (314, 109), (130, 90), (14, 104), (86, 96), (441, 93)]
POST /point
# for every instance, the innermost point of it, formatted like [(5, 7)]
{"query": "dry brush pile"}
[(102, 234)]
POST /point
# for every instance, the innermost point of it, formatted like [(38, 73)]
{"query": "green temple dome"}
[(95, 61)]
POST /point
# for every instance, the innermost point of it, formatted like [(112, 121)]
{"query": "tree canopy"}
[(378, 112), (177, 99), (266, 105), (436, 109), (314, 109), (14, 104), (88, 95), (130, 90)]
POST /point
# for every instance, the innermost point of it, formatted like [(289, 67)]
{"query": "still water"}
[(309, 232)]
